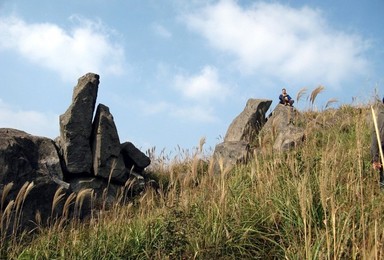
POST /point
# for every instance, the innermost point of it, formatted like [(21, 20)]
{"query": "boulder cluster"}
[(87, 166), (252, 129), (87, 156)]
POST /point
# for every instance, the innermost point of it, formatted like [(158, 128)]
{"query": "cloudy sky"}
[(174, 71)]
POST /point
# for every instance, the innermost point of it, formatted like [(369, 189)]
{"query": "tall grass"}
[(318, 201)]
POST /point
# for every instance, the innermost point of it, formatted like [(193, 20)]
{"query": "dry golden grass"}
[(318, 201), (315, 92)]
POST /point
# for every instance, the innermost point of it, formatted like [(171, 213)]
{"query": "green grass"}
[(318, 201)]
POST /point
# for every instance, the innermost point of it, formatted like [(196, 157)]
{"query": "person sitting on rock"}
[(285, 99)]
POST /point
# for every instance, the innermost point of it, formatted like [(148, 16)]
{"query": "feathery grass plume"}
[(80, 200), (67, 204), (59, 194), (29, 188), (201, 144), (6, 190), (6, 220), (330, 102), (301, 92), (38, 218), (20, 195), (20, 198), (315, 92), (7, 212)]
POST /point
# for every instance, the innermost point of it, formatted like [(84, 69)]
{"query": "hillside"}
[(320, 200)]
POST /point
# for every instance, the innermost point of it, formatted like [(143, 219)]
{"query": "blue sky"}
[(175, 71)]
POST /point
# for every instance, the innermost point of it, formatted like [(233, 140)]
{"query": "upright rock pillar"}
[(76, 126)]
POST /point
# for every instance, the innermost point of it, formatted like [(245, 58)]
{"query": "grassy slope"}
[(318, 201)]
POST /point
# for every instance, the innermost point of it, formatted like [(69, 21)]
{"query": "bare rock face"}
[(107, 160), (87, 160), (241, 133), (76, 126), (23, 157), (229, 154), (281, 129), (248, 123), (32, 162), (134, 159)]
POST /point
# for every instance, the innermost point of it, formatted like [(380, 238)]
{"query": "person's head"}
[(284, 91)]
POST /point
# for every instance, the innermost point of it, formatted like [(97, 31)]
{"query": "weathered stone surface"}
[(76, 126), (134, 159), (228, 154), (25, 158), (281, 128), (248, 123), (38, 175), (103, 194), (289, 138), (107, 160)]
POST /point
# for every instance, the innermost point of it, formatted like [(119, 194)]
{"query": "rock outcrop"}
[(251, 127), (248, 123), (108, 162), (281, 130), (241, 133), (76, 126), (86, 164), (30, 174)]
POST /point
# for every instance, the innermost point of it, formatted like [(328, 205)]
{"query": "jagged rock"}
[(134, 159), (241, 133), (76, 126), (24, 159), (248, 123), (105, 194), (229, 154), (35, 171), (289, 138), (108, 162), (281, 129)]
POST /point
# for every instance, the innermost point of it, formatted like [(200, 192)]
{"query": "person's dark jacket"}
[(282, 99)]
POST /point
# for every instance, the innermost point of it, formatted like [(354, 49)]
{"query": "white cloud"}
[(280, 41), (202, 87), (32, 122), (85, 48)]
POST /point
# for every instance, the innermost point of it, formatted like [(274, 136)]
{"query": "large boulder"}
[(248, 123), (134, 159), (229, 154), (240, 135), (108, 162), (30, 174), (76, 126), (99, 193), (282, 130)]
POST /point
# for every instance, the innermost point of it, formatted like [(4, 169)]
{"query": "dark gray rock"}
[(107, 160), (102, 196), (32, 165), (134, 159), (76, 126)]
